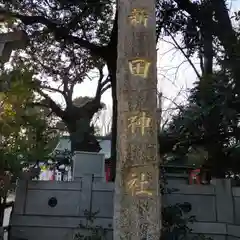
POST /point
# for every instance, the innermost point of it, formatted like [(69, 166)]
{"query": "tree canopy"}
[(59, 63), (210, 120), (72, 37), (26, 130)]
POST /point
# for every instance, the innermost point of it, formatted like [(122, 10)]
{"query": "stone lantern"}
[(11, 41)]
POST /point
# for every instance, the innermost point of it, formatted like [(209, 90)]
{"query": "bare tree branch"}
[(184, 54), (51, 89), (102, 85), (55, 108), (108, 86), (59, 32)]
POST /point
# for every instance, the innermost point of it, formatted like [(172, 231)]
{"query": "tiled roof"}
[(105, 143)]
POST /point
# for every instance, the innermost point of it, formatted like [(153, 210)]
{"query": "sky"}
[(175, 76)]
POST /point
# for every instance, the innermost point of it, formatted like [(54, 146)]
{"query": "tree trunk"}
[(114, 135), (82, 136), (137, 214), (114, 132)]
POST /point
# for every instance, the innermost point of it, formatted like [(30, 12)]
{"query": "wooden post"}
[(137, 192)]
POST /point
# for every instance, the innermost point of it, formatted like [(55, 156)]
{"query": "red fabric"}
[(195, 176), (52, 178), (108, 173)]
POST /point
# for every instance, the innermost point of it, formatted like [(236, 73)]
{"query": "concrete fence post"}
[(21, 194), (224, 201), (1, 233), (87, 182)]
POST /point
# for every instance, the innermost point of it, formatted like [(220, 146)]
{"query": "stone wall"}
[(216, 207), (36, 218), (54, 210)]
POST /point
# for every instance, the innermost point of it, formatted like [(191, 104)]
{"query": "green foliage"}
[(55, 54), (90, 231), (176, 218), (26, 131), (175, 223), (62, 157), (209, 122)]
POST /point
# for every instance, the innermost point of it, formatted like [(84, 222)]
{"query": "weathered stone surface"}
[(138, 99), (33, 217), (224, 193), (212, 237), (233, 230), (237, 209), (137, 212), (85, 163), (230, 238), (197, 201), (134, 154), (209, 228)]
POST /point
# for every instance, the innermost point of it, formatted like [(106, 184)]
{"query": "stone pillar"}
[(224, 201), (137, 193), (88, 164)]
